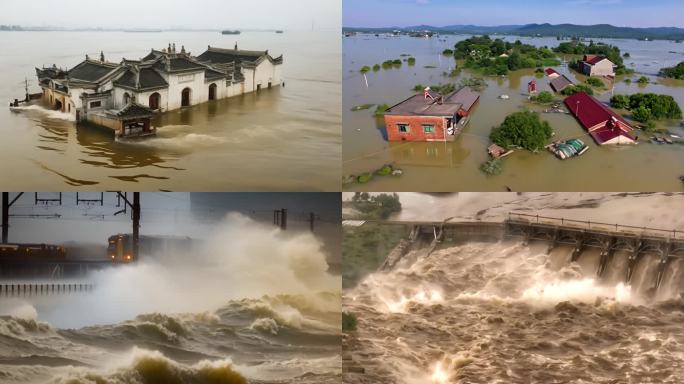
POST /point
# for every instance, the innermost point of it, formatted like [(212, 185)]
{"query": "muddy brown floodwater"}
[(454, 166), (281, 139)]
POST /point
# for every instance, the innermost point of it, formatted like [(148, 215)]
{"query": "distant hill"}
[(601, 30), (567, 30)]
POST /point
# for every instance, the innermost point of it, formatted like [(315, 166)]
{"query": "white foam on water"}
[(399, 302), (57, 115), (584, 290)]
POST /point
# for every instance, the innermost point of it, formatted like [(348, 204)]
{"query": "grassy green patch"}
[(365, 248), (380, 110), (492, 167), (595, 82), (544, 97)]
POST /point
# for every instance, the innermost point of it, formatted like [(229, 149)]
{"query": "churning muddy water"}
[(510, 312), (252, 305)]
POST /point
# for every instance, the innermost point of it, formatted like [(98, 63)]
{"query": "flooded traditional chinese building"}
[(107, 93)]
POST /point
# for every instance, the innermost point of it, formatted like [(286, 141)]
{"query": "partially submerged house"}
[(97, 90), (551, 73), (559, 83), (604, 125), (595, 65), (430, 116)]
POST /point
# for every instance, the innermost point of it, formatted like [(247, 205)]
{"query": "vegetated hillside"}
[(546, 29)]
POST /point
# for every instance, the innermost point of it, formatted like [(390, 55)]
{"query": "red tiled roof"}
[(550, 71), (593, 59), (591, 113), (605, 133)]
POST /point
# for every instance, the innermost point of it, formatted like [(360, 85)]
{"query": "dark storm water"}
[(455, 166), (281, 139)]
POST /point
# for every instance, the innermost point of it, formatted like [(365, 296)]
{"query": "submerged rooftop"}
[(432, 103)]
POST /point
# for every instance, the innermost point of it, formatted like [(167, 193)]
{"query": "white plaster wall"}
[(602, 68), (221, 89), (143, 98), (234, 90), (264, 73), (198, 92), (75, 94), (267, 72), (118, 96), (249, 80)]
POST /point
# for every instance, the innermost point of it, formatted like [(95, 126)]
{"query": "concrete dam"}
[(612, 241)]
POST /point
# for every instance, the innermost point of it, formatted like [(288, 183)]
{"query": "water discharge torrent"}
[(507, 312), (249, 304)]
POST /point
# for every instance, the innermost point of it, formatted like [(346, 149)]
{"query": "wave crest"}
[(152, 367)]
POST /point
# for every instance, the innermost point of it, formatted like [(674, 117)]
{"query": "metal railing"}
[(596, 225)]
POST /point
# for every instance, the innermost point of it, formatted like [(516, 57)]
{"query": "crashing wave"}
[(152, 367)]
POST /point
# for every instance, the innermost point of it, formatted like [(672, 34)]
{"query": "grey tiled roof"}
[(210, 74), (180, 63), (220, 55), (143, 78), (91, 71), (134, 110)]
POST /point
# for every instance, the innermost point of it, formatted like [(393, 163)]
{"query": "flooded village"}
[(579, 96)]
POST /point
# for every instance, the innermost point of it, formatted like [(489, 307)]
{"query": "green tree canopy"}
[(676, 72), (524, 129), (379, 206)]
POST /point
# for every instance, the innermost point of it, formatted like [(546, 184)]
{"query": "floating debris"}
[(504, 97), (567, 149), (362, 107)]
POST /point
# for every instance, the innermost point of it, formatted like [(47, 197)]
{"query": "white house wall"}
[(264, 73), (179, 82), (602, 68)]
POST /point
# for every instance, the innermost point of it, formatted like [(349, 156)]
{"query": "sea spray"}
[(240, 258)]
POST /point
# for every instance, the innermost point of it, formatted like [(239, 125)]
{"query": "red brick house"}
[(430, 116), (604, 125)]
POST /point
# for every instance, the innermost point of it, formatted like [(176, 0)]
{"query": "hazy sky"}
[(197, 14), (634, 13)]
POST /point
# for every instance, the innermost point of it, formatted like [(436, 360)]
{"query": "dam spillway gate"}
[(632, 241)]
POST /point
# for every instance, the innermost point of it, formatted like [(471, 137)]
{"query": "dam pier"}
[(630, 241)]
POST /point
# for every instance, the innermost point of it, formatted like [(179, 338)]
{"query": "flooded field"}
[(285, 138), (455, 166)]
